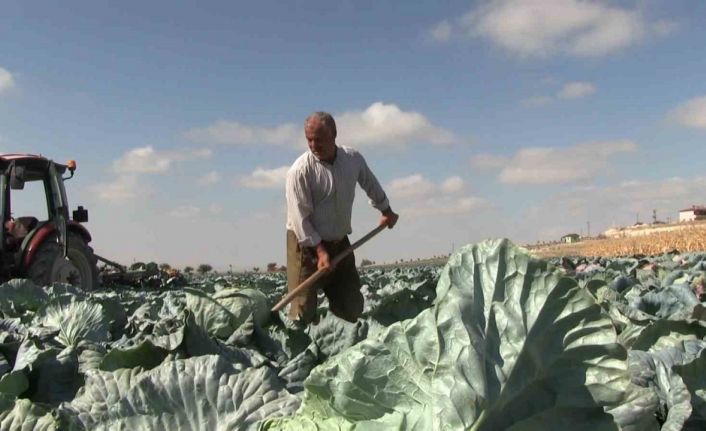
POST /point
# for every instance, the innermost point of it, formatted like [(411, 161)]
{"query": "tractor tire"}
[(49, 266)]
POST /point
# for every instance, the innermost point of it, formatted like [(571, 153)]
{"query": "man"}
[(16, 231), (320, 191)]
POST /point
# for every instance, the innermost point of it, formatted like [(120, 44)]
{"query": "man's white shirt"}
[(320, 195)]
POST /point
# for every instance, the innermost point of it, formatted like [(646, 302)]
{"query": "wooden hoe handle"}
[(318, 274)]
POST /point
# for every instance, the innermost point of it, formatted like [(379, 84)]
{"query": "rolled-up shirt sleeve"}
[(368, 182), (300, 208)]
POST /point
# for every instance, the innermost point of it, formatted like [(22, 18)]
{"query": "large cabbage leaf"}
[(16, 415), (244, 302), (199, 393), (209, 314), (656, 370), (19, 296), (145, 355), (694, 377), (509, 344)]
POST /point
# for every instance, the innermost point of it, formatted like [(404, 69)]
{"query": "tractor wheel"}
[(49, 266)]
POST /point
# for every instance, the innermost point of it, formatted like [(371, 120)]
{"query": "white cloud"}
[(542, 165), (235, 133), (187, 211), (570, 90), (215, 209), (7, 81), (604, 206), (540, 28), (209, 178), (120, 190), (691, 113), (537, 101), (143, 160), (620, 204), (669, 193), (418, 196), (413, 185), (665, 27), (441, 32), (444, 206), (135, 163), (262, 178), (379, 124), (201, 153), (147, 160), (576, 90), (447, 205), (452, 185), (488, 161), (387, 124)]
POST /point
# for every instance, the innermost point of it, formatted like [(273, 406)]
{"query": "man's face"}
[(321, 142)]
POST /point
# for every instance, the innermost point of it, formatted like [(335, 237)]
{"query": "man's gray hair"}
[(325, 118)]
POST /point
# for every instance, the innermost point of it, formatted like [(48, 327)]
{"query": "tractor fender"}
[(37, 237)]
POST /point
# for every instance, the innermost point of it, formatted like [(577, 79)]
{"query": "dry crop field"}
[(689, 239)]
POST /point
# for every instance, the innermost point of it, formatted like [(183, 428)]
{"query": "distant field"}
[(432, 261), (692, 238), (648, 241)]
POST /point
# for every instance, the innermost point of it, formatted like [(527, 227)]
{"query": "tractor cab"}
[(38, 239)]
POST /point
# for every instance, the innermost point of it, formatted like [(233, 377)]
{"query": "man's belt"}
[(333, 242)]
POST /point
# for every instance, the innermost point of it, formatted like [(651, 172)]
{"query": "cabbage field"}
[(494, 340)]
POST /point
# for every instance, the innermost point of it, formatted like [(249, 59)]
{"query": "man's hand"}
[(323, 260), (389, 218)]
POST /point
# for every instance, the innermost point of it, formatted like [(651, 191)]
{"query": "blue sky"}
[(523, 119)]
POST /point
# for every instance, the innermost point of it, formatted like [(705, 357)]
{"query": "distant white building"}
[(572, 237), (692, 214), (613, 233)]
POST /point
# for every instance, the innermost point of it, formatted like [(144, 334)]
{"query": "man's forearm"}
[(309, 236)]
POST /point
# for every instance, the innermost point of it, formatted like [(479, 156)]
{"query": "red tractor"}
[(51, 250)]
